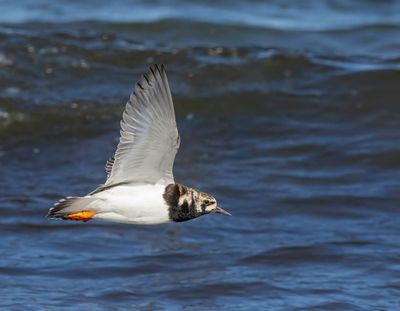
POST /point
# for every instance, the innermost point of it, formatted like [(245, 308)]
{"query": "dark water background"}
[(289, 114)]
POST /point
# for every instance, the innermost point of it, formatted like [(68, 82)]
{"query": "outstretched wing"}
[(149, 136)]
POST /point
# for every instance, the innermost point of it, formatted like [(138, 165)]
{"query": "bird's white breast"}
[(137, 204)]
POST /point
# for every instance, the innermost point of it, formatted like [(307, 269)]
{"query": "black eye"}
[(206, 202)]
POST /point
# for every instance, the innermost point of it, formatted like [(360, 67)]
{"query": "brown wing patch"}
[(181, 189), (171, 195)]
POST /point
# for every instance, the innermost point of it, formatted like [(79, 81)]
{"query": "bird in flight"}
[(140, 186)]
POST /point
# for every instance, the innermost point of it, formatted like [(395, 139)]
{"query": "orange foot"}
[(80, 216)]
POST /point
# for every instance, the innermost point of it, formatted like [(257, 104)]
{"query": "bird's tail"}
[(73, 208)]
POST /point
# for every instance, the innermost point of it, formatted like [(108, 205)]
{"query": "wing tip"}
[(150, 76), (157, 68)]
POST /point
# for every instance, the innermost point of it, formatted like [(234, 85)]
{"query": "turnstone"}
[(140, 186)]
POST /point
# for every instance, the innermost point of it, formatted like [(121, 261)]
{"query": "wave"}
[(308, 16)]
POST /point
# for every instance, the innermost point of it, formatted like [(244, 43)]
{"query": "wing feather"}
[(149, 136)]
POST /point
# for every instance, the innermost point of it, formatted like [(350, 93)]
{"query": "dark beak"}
[(221, 211)]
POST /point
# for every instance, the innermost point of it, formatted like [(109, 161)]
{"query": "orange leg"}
[(80, 216)]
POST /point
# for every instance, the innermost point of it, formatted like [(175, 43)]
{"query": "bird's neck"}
[(181, 202)]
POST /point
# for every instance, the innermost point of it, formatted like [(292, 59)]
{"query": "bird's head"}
[(187, 203), (207, 204)]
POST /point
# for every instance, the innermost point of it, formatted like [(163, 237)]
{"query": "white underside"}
[(133, 204)]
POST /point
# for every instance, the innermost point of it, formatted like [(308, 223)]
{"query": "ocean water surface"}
[(288, 112)]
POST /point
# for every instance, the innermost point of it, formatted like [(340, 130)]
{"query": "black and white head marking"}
[(186, 203)]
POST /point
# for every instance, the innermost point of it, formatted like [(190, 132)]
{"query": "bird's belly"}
[(138, 205), (115, 217)]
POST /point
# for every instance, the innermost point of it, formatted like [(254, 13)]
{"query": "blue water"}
[(288, 113)]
